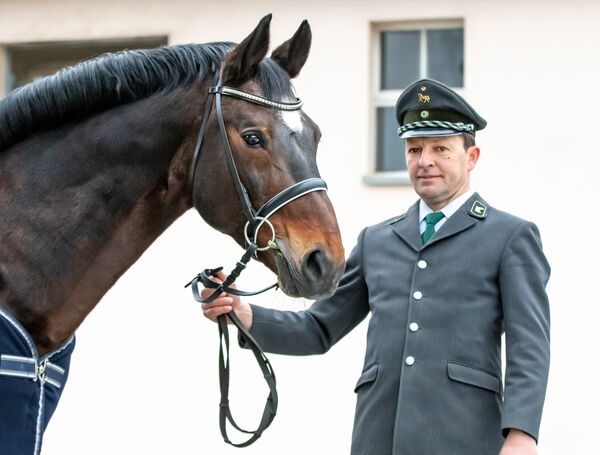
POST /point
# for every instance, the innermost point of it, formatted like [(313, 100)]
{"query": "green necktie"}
[(431, 220)]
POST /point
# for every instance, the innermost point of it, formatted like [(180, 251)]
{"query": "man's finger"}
[(221, 301), (213, 313), (222, 276), (207, 292)]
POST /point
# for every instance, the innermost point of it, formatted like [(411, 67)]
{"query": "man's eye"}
[(253, 140), (443, 149)]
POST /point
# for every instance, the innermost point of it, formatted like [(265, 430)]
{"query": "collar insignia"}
[(478, 210), (398, 218)]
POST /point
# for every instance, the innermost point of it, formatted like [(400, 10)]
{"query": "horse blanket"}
[(30, 387)]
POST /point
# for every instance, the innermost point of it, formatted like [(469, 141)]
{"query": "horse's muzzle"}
[(314, 276)]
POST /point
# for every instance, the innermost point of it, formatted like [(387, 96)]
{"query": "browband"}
[(256, 99)]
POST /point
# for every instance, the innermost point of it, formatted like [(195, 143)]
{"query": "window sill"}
[(387, 178)]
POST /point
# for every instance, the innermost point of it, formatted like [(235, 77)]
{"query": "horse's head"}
[(273, 149)]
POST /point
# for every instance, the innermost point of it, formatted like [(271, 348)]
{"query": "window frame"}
[(4, 71), (387, 98)]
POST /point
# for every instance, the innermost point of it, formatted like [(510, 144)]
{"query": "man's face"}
[(439, 167)]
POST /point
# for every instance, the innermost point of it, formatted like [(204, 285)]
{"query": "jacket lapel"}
[(461, 220), (407, 227)]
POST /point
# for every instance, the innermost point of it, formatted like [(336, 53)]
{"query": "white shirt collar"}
[(449, 209)]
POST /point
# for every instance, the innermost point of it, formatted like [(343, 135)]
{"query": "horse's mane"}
[(113, 79)]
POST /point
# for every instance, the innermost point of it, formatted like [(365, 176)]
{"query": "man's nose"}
[(426, 159)]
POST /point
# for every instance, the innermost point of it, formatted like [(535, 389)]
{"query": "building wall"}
[(530, 69)]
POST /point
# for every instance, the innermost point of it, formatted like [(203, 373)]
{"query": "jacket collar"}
[(407, 226)]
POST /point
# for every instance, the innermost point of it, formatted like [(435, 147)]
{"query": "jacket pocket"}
[(367, 376), (473, 376)]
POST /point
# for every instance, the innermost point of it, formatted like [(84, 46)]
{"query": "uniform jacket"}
[(432, 378)]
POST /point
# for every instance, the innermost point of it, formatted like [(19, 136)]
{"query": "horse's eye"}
[(253, 140)]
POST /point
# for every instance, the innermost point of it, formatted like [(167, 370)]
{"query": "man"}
[(442, 283)]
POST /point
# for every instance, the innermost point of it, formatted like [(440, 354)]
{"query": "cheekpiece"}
[(428, 108)]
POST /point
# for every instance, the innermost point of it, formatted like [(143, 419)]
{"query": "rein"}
[(255, 220)]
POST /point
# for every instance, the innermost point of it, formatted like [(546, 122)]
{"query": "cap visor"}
[(429, 132)]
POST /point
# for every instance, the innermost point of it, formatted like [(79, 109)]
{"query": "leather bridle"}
[(255, 220)]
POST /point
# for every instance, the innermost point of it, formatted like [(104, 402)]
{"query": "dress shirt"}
[(448, 210)]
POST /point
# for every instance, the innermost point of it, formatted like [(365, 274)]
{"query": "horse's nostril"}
[(315, 265)]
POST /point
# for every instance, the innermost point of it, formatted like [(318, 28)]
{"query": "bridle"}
[(255, 220)]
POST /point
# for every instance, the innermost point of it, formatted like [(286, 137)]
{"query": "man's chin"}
[(429, 192)]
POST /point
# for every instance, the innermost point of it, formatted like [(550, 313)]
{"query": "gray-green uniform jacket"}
[(431, 382)]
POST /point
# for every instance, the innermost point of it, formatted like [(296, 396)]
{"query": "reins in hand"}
[(225, 415)]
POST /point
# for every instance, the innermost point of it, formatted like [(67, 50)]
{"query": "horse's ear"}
[(292, 54), (241, 64)]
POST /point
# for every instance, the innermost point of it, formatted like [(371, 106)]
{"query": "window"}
[(403, 53), (29, 61)]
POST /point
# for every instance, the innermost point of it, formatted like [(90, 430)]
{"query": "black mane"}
[(107, 81)]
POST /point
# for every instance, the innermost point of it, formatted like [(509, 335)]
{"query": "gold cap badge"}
[(423, 98)]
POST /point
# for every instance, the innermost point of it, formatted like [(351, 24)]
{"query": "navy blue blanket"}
[(30, 387)]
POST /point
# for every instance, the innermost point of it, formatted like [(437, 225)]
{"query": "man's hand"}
[(225, 303), (519, 443)]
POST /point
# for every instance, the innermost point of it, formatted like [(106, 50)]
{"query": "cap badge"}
[(423, 88), (424, 114), (423, 98)]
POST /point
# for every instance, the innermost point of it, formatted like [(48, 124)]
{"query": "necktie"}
[(431, 220)]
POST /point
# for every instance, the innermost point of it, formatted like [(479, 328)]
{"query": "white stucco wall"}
[(144, 375)]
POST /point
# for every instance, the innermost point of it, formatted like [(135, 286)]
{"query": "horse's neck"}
[(83, 203)]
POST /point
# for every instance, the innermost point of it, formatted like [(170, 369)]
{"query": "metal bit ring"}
[(270, 243)]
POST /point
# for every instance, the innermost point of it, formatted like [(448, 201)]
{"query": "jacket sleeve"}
[(315, 330), (524, 273)]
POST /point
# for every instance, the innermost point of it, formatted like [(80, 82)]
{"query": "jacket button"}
[(417, 295), (413, 326), (409, 360), (422, 264)]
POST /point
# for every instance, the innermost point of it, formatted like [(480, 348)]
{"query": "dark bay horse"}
[(95, 162)]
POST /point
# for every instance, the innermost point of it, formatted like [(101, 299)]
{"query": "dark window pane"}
[(445, 56), (400, 58), (390, 148)]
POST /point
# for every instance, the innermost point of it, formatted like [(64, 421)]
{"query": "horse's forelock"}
[(274, 81)]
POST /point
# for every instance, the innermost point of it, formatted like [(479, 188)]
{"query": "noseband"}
[(255, 220)]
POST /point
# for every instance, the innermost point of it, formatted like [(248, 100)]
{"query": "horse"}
[(96, 162)]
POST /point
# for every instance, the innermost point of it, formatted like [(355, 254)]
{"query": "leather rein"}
[(255, 220)]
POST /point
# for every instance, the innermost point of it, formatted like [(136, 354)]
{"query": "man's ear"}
[(472, 157), (292, 54), (241, 64)]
